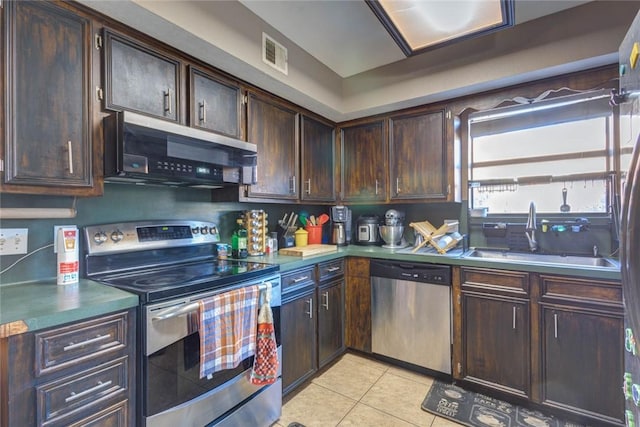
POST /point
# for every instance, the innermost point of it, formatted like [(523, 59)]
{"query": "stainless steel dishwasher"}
[(411, 313)]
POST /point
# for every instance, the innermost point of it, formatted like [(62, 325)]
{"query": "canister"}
[(301, 237)]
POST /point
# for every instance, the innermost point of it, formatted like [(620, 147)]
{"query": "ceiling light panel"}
[(418, 25)]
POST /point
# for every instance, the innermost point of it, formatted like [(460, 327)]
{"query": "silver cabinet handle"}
[(555, 325), (514, 317), (70, 156), (73, 346), (300, 279), (332, 269), (202, 111), (310, 312), (292, 184), (398, 185), (326, 300), (167, 101), (309, 186), (73, 396), (376, 187)]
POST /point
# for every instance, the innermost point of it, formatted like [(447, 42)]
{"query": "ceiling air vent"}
[(274, 54)]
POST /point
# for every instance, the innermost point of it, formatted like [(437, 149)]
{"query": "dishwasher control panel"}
[(413, 272)]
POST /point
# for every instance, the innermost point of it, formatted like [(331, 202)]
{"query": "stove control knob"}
[(100, 237), (195, 230), (213, 230), (117, 236), (204, 230)]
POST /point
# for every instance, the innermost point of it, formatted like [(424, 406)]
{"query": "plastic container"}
[(315, 234), (301, 237)]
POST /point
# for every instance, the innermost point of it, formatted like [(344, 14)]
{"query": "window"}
[(532, 151)]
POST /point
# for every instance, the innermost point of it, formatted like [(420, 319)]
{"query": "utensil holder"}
[(315, 234)]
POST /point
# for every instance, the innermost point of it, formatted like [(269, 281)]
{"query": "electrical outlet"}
[(13, 241)]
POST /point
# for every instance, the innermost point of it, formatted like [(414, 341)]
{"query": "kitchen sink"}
[(570, 260)]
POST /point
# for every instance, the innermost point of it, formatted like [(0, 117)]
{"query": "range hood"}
[(146, 150)]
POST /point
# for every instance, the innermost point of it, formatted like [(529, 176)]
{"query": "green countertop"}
[(453, 257), (30, 306)]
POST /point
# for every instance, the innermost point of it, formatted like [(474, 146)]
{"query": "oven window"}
[(172, 374)]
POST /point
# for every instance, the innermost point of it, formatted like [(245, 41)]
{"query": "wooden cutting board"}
[(310, 250)]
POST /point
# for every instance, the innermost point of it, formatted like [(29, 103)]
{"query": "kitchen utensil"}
[(564, 207), (322, 219), (312, 218)]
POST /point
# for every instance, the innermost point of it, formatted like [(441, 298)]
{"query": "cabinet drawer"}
[(298, 278), (65, 346), (329, 269), (113, 416), (60, 399), (587, 291), (495, 280)]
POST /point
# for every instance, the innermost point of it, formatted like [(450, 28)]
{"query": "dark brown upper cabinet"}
[(364, 162), (140, 79), (216, 104), (317, 160), (273, 126), (50, 145), (418, 156)]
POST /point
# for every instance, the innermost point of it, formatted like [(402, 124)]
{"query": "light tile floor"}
[(361, 392)]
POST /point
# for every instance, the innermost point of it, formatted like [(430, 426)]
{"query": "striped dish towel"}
[(227, 329), (265, 364)]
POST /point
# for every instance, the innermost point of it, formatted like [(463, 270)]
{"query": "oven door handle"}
[(191, 307), (175, 312)]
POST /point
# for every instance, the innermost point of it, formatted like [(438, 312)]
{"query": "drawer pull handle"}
[(167, 101), (514, 317), (300, 279), (99, 338), (332, 269), (93, 389), (555, 325), (203, 111)]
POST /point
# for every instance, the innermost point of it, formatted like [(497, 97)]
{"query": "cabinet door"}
[(273, 127), (140, 79), (496, 342), (317, 154), (364, 163), (216, 104), (582, 362), (330, 322), (49, 103), (358, 305), (298, 329), (418, 156)]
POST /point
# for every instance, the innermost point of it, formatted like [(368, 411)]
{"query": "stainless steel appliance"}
[(341, 225), (629, 231), (367, 230), (141, 149), (411, 313), (170, 266)]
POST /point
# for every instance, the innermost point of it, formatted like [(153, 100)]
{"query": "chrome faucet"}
[(530, 228)]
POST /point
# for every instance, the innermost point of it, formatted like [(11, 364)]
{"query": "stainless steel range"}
[(171, 265)]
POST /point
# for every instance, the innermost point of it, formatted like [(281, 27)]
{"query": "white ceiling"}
[(347, 37)]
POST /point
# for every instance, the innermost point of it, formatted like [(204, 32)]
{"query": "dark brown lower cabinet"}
[(556, 341), (358, 305), (582, 362), (298, 329), (496, 342), (79, 374), (330, 321)]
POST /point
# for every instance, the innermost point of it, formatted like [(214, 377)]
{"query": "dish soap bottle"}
[(239, 240)]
